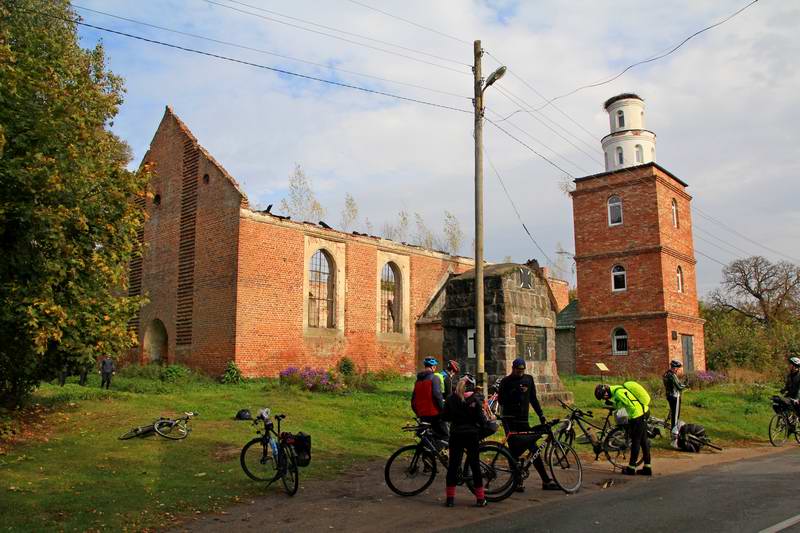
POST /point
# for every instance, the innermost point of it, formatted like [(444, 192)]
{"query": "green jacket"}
[(622, 397)]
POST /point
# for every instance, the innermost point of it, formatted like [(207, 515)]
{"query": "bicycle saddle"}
[(280, 417)]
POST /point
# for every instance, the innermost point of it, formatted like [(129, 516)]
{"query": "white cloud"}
[(723, 106)]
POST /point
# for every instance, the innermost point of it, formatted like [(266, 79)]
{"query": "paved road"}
[(744, 496)]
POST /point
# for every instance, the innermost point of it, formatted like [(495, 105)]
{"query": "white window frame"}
[(609, 205), (620, 156), (639, 151), (614, 273), (620, 119), (679, 278), (614, 338), (675, 223)]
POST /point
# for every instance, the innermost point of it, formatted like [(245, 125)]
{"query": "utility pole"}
[(479, 313)]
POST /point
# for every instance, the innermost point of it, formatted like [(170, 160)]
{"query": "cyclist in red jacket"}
[(427, 401)]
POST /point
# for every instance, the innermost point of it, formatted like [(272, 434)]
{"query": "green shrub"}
[(148, 371), (389, 374), (346, 366), (175, 373), (360, 382), (232, 374)]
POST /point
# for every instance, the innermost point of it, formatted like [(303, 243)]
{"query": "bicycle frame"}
[(268, 436)]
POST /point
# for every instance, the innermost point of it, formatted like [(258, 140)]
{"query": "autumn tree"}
[(397, 231), (453, 236), (68, 225), (349, 213), (302, 203)]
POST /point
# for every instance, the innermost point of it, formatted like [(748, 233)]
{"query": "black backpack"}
[(689, 445), (302, 449), (243, 414)]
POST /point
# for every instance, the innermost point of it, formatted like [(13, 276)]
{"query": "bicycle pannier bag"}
[(302, 449), (687, 444)]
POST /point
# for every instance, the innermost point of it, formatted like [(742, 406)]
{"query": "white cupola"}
[(629, 144)]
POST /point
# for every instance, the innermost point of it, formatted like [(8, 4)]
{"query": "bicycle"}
[(783, 423), (560, 458), (176, 429), (613, 440), (270, 456), (494, 396), (165, 427), (412, 468)]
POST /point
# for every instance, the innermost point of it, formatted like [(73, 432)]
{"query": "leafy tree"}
[(397, 231), (349, 213), (425, 237), (453, 236), (68, 225), (761, 290), (302, 203)]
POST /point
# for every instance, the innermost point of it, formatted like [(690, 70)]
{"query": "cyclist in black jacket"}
[(673, 387), (792, 386), (518, 392), (464, 410)]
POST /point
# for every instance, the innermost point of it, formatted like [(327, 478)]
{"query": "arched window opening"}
[(391, 299), (619, 278), (620, 119), (674, 213), (321, 291), (679, 279), (614, 211), (605, 154), (619, 342), (620, 157), (639, 153)]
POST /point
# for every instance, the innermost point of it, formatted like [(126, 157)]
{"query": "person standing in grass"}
[(464, 410), (673, 387), (107, 369)]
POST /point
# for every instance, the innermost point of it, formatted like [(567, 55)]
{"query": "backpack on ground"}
[(640, 393), (688, 444)]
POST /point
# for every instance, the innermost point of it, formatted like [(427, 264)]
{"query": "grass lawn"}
[(75, 475)]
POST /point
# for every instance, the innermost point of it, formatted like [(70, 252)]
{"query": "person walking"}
[(635, 400), (427, 401), (673, 387), (464, 410), (516, 394), (107, 369)]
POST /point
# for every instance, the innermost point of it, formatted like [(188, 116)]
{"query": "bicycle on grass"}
[(270, 456), (169, 428), (411, 469), (559, 457), (783, 423)]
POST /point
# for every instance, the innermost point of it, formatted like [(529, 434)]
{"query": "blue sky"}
[(723, 107)]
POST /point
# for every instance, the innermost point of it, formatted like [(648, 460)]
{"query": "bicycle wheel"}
[(498, 473), (258, 462), (616, 448), (172, 429), (290, 477), (140, 431), (410, 470), (778, 430), (565, 466)]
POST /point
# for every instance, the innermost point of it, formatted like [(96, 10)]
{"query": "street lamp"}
[(480, 87)]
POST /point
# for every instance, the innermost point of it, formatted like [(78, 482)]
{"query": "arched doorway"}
[(155, 343)]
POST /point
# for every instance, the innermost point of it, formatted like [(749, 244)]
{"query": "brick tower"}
[(635, 257)]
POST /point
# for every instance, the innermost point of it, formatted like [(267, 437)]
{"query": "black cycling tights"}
[(458, 444), (638, 432)]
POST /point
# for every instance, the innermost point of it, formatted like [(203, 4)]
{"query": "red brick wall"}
[(270, 335), (650, 249), (217, 218)]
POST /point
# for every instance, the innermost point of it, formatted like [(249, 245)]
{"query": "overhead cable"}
[(407, 21), (267, 52)]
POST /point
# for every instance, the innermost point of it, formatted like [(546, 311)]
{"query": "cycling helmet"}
[(601, 391), (795, 361), (519, 362), (675, 364), (453, 365), (430, 361)]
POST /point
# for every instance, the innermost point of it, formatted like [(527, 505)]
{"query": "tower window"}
[(619, 342), (675, 214), (620, 119), (652, 154), (620, 158), (321, 291), (679, 279), (639, 153), (614, 211), (619, 278), (606, 159)]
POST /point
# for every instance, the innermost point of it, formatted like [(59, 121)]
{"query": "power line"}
[(709, 257), (267, 52), (649, 60), (421, 52), (514, 206), (493, 123), (257, 65), (711, 235), (384, 50), (407, 21)]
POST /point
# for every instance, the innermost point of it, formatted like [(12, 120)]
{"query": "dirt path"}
[(362, 502)]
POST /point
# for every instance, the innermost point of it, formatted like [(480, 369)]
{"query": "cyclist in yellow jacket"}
[(636, 401)]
